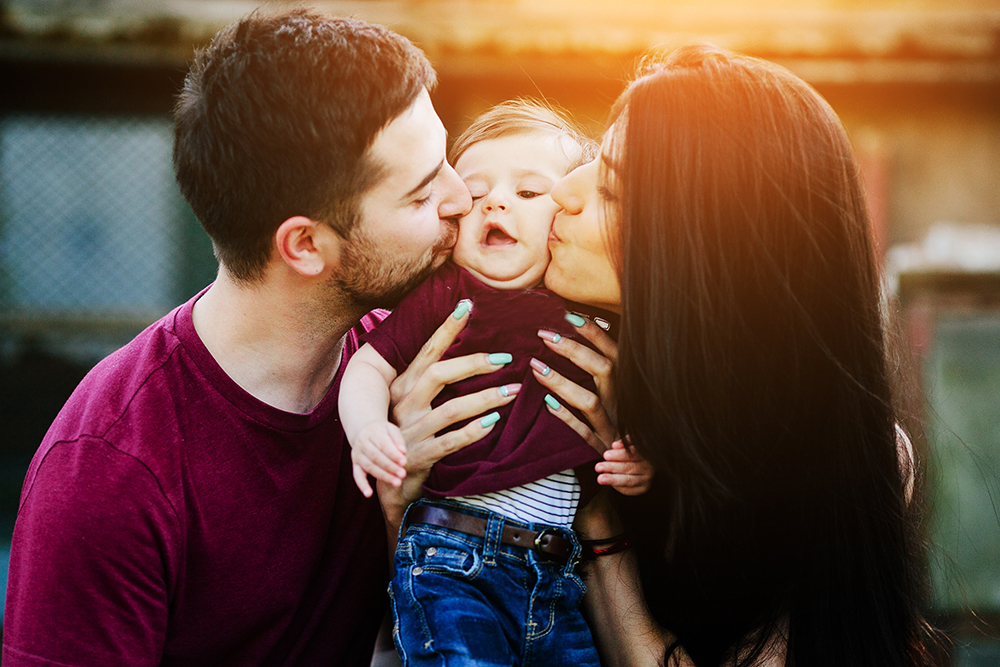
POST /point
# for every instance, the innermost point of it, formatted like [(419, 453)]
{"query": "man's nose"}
[(456, 201)]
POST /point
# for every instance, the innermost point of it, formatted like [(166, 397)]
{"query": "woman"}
[(725, 223)]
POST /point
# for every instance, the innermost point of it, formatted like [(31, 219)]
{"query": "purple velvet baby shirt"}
[(528, 443)]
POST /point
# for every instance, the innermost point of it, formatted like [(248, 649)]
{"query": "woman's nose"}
[(564, 193)]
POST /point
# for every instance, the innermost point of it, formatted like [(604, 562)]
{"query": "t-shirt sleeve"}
[(400, 336), (89, 562)]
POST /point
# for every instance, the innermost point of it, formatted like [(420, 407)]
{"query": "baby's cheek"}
[(465, 246), (539, 264)]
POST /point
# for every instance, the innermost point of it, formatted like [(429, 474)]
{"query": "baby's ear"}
[(308, 247)]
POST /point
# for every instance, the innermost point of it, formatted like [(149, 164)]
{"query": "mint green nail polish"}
[(504, 391), (551, 402), (556, 338), (546, 370), (462, 308), (489, 420), (500, 358), (575, 320)]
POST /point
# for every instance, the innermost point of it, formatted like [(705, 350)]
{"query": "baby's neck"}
[(500, 283)]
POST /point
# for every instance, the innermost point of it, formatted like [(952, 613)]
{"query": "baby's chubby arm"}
[(377, 445)]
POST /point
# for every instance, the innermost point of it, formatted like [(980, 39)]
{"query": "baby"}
[(485, 562)]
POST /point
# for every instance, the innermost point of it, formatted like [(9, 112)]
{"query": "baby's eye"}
[(528, 194), (477, 195)]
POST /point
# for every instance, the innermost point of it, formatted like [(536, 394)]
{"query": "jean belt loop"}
[(570, 566), (403, 525), (491, 543)]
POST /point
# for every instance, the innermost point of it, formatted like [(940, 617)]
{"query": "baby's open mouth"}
[(498, 236)]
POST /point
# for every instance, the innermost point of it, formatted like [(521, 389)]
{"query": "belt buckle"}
[(538, 543)]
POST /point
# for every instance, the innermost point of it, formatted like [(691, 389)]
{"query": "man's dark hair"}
[(275, 119)]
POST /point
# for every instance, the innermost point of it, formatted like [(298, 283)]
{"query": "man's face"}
[(405, 228)]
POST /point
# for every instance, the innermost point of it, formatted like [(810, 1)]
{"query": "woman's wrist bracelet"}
[(604, 540), (593, 549)]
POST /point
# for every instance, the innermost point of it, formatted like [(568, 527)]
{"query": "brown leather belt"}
[(550, 543)]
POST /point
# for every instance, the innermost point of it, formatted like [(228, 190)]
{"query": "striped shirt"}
[(552, 500)]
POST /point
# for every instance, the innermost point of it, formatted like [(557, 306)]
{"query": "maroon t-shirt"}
[(171, 518), (528, 443)]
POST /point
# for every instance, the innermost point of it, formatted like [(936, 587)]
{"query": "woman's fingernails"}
[(540, 367), (509, 390), (500, 358), (549, 335), (462, 308), (575, 319), (489, 420), (552, 402)]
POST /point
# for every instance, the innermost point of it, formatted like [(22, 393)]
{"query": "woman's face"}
[(581, 268)]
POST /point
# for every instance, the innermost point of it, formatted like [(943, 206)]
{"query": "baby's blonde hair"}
[(522, 116)]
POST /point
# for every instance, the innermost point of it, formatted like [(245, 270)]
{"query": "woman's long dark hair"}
[(753, 374)]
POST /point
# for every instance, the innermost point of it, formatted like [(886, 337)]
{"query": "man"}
[(193, 502)]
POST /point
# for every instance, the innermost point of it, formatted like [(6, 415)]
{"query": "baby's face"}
[(503, 240)]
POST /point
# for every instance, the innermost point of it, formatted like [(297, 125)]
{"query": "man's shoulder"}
[(110, 411), (109, 391)]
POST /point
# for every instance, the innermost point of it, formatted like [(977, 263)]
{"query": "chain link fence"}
[(96, 242), (91, 223)]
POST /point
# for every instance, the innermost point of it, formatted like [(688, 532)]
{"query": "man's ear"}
[(307, 246)]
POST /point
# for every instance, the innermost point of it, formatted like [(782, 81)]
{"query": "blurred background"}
[(96, 242)]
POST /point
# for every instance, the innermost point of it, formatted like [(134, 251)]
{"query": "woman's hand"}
[(599, 409), (622, 468), (410, 402)]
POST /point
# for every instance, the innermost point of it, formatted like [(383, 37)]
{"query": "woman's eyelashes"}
[(606, 194)]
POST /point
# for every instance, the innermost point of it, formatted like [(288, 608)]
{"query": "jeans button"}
[(432, 551), (418, 570)]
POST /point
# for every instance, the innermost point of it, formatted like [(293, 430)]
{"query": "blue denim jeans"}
[(460, 600)]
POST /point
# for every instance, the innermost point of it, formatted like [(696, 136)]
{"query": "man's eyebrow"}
[(427, 179)]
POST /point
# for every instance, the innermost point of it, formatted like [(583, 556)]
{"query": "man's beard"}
[(371, 279)]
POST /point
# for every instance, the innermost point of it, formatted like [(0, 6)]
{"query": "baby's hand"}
[(624, 470), (380, 451)]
